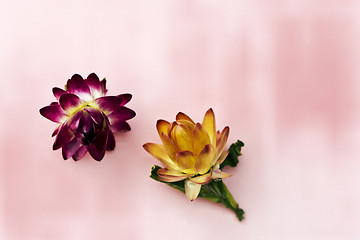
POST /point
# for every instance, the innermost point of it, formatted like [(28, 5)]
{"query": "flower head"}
[(86, 117), (190, 151)]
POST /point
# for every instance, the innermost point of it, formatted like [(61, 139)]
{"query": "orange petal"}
[(221, 142), (192, 190), (170, 146), (206, 157), (183, 138), (220, 174), (162, 126), (185, 160), (209, 125), (202, 179), (183, 116), (159, 152), (201, 138)]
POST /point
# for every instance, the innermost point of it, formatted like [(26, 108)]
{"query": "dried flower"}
[(86, 117)]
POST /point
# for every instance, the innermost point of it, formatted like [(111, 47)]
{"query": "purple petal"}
[(78, 86), (93, 82), (68, 101), (53, 112), (80, 153), (103, 87), (69, 149), (63, 137), (75, 120), (85, 131), (126, 97), (95, 115), (109, 103), (110, 141), (98, 147), (58, 92), (55, 131), (121, 127), (121, 114)]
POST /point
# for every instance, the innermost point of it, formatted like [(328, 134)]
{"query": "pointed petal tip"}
[(192, 190)]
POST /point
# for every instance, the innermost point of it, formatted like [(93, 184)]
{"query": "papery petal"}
[(94, 85), (162, 126), (70, 102), (167, 175), (125, 98), (98, 146), (209, 125), (55, 131), (183, 138), (222, 157), (53, 112), (110, 141), (75, 120), (221, 142), (159, 152), (187, 123), (121, 114), (95, 115), (171, 172), (58, 92), (202, 179), (185, 160), (70, 148), (109, 103), (183, 116), (120, 127), (205, 159), (192, 190), (103, 87), (80, 153), (220, 174), (170, 146), (201, 138), (170, 130), (78, 86), (64, 136)]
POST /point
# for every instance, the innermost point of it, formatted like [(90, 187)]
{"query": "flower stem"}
[(223, 195)]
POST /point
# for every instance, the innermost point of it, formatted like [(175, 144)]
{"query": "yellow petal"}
[(170, 175), (206, 157), (159, 152), (201, 138), (202, 179), (187, 123), (192, 190), (209, 125), (222, 157), (183, 116), (170, 146), (221, 142), (183, 138), (186, 160), (170, 130), (162, 126), (220, 174)]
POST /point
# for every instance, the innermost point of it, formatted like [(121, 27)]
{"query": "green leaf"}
[(234, 152)]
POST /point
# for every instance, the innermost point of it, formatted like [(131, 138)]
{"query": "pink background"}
[(282, 74)]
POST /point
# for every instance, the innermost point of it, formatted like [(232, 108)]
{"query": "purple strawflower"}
[(87, 117)]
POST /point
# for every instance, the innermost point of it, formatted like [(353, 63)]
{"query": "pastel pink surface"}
[(282, 74)]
